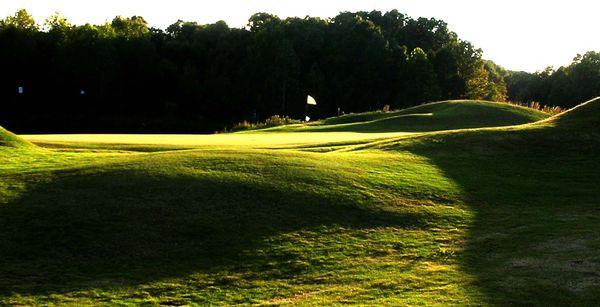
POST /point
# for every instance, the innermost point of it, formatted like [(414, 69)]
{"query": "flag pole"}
[(305, 110), (309, 100)]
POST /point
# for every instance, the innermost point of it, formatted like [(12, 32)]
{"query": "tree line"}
[(125, 76), (566, 86)]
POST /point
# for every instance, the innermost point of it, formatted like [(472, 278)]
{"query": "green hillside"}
[(8, 139), (585, 116), (444, 115), (576, 127), (534, 189), (490, 216)]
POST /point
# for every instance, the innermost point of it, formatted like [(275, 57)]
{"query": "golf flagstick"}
[(309, 101)]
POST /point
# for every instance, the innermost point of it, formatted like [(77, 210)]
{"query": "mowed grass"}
[(437, 116), (179, 141), (465, 217)]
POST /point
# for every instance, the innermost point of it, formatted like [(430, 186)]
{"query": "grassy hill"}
[(585, 116), (534, 189), (576, 127), (485, 216), (8, 139), (444, 115)]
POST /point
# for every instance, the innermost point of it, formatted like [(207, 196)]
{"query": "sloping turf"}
[(8, 139), (534, 188), (487, 216), (444, 115), (580, 125), (584, 117)]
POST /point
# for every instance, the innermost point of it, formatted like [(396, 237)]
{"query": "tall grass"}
[(273, 121), (552, 110)]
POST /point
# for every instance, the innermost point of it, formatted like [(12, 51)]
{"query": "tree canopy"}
[(565, 86)]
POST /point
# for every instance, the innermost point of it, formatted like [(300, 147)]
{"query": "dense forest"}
[(124, 76)]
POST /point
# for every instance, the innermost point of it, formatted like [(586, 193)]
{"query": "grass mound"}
[(444, 115), (577, 127), (8, 139), (583, 116)]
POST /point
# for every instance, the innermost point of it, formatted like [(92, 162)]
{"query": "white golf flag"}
[(311, 101)]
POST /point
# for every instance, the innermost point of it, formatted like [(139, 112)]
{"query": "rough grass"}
[(491, 216), (584, 117)]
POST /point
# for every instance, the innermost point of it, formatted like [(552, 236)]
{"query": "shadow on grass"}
[(125, 227), (534, 240)]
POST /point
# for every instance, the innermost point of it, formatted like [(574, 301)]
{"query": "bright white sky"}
[(517, 34)]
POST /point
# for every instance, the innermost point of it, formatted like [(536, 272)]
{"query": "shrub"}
[(272, 121), (540, 107), (277, 120)]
